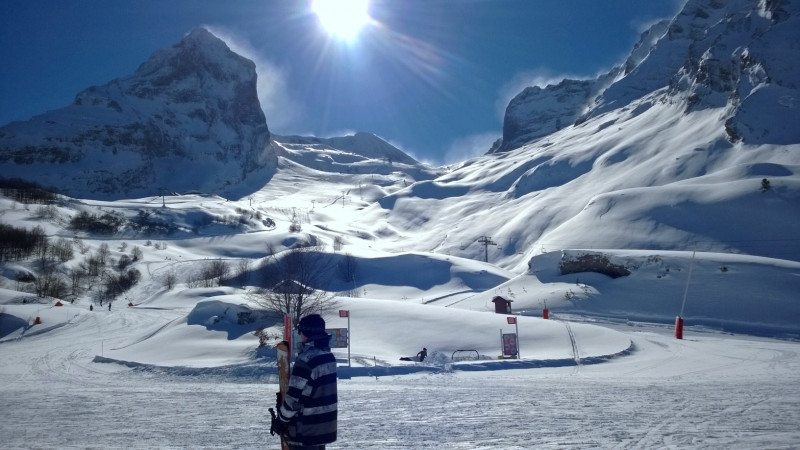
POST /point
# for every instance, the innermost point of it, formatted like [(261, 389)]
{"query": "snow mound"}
[(218, 334)]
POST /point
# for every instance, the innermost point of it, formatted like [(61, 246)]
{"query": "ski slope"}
[(176, 370), (710, 390)]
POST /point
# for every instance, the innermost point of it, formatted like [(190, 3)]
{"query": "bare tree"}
[(136, 253), (348, 268), (46, 212), (103, 253), (61, 250), (214, 271), (50, 283), (77, 275), (171, 278), (295, 280), (242, 270), (42, 244), (82, 248), (93, 266)]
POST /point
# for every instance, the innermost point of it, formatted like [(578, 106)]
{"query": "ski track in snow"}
[(707, 391)]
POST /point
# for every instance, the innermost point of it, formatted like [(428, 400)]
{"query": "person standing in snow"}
[(423, 354), (309, 410)]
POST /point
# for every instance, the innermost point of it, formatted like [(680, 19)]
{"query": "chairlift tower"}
[(486, 241)]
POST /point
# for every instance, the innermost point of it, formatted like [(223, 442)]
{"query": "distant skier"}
[(419, 358), (309, 410)]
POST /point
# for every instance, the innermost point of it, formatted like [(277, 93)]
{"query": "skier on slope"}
[(422, 354), (309, 410)]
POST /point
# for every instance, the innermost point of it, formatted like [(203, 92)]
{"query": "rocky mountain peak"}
[(539, 111), (199, 55), (199, 69), (737, 55), (187, 119)]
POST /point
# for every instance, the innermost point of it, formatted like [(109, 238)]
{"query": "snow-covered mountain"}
[(187, 119), (670, 157), (361, 153), (595, 218), (738, 56), (671, 154)]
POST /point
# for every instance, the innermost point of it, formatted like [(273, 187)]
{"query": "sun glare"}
[(343, 19)]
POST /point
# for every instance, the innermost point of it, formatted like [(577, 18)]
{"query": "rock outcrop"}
[(188, 119)]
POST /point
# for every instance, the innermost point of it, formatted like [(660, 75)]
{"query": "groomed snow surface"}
[(203, 385)]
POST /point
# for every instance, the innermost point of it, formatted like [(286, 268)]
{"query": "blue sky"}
[(431, 76)]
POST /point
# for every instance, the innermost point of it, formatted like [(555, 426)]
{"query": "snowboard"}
[(284, 372)]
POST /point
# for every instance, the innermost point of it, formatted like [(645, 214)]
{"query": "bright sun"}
[(342, 18)]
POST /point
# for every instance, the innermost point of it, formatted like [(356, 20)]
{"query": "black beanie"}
[(312, 325)]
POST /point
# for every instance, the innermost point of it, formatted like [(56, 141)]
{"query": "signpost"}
[(679, 319), (287, 328), (510, 345), (346, 313), (338, 337), (511, 340)]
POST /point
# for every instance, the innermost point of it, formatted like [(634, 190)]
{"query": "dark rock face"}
[(537, 112)]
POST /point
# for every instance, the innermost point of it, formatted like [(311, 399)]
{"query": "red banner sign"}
[(344, 313), (512, 320), (510, 344), (338, 337)]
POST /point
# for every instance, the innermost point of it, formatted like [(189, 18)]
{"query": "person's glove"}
[(278, 426)]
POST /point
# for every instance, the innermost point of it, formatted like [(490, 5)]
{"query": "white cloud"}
[(280, 109), (333, 133), (469, 147), (642, 24)]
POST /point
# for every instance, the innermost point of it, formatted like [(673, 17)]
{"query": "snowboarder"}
[(309, 410), (422, 354)]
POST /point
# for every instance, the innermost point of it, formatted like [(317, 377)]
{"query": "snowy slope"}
[(644, 177), (648, 185), (649, 205), (361, 153), (709, 390)]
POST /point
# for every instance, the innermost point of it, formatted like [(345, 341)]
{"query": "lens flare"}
[(342, 19)]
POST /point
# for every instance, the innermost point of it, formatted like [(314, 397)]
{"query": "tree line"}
[(26, 191), (21, 243)]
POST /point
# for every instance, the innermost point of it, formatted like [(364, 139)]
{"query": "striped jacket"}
[(310, 404)]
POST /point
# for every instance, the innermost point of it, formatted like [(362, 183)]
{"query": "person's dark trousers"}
[(307, 447)]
